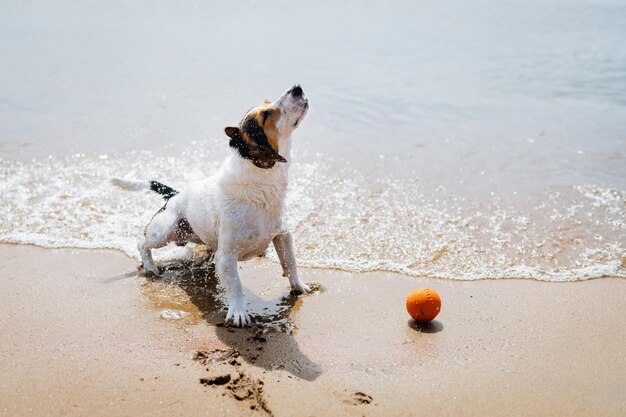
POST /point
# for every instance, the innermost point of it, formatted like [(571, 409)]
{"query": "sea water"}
[(459, 140)]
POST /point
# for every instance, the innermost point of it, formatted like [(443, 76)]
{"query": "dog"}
[(238, 211)]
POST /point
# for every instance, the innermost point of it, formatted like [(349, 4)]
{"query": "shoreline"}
[(83, 334), (618, 265)]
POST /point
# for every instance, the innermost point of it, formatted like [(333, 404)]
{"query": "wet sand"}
[(83, 334)]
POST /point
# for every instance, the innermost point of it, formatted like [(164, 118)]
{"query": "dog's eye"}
[(265, 115)]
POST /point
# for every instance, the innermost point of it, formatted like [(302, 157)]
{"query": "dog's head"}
[(266, 127)]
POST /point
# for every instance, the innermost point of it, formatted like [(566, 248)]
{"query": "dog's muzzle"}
[(296, 91)]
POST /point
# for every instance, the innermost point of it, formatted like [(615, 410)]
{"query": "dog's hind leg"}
[(147, 263), (163, 229)]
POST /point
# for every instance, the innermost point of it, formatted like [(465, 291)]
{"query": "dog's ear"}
[(264, 155), (260, 154), (277, 157), (233, 132), (236, 141)]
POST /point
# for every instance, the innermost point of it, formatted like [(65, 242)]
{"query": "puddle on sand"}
[(189, 293)]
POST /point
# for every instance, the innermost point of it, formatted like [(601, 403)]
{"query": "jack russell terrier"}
[(238, 211)]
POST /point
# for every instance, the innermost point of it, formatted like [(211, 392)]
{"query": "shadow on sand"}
[(434, 326), (267, 344)]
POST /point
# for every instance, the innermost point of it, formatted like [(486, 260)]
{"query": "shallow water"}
[(461, 141)]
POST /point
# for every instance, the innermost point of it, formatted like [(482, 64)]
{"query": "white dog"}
[(239, 210)]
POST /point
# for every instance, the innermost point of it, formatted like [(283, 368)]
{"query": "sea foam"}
[(340, 218)]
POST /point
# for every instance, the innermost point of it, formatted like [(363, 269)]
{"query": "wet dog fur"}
[(239, 211)]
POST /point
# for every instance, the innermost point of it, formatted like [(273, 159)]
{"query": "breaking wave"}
[(341, 218)]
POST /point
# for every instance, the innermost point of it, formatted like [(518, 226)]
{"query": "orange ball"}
[(423, 304)]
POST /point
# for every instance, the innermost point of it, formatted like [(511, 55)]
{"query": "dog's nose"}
[(296, 91)]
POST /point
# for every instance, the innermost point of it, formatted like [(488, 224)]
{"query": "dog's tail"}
[(132, 185)]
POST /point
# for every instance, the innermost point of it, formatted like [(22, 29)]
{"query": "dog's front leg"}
[(226, 265), (284, 248)]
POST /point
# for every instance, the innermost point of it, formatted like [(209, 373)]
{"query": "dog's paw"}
[(300, 288), (151, 270), (237, 316)]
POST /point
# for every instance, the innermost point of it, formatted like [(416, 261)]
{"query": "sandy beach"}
[(475, 148), (83, 334)]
